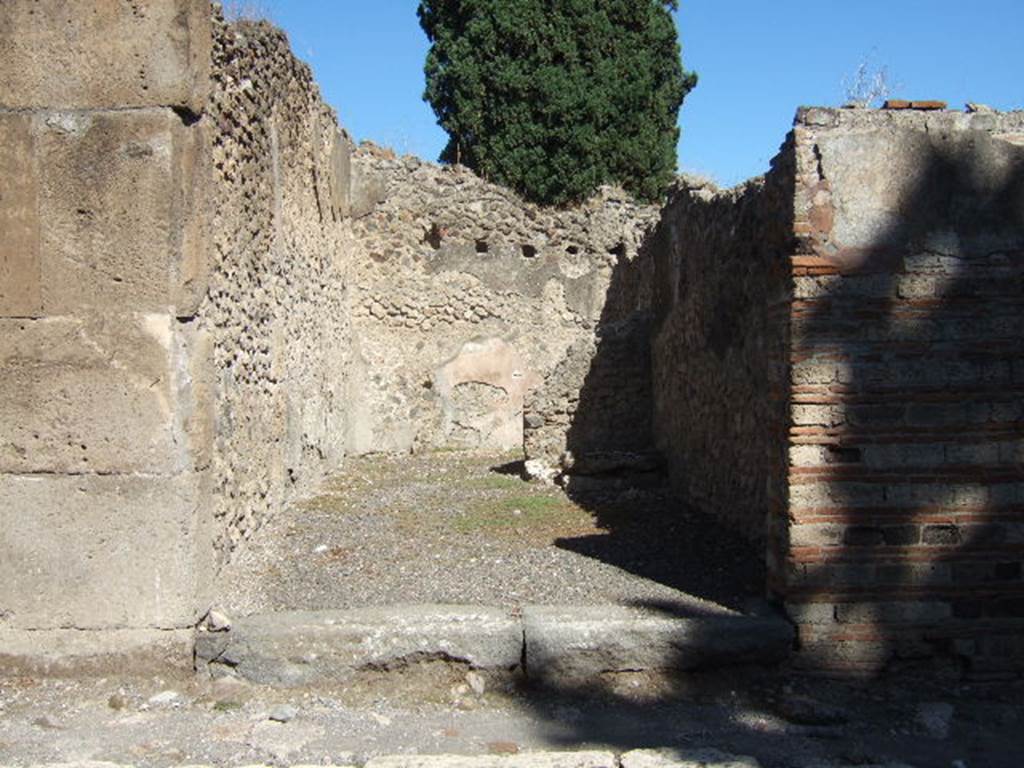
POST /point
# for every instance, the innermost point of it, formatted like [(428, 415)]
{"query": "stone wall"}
[(104, 461), (466, 298), (175, 338), (277, 306), (207, 299), (905, 535), (837, 370), (720, 346)]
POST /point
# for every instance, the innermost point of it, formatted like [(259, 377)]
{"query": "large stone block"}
[(300, 647), (104, 53), (570, 644), (118, 197), (100, 552), (19, 218), (97, 395), (120, 652), (190, 218)]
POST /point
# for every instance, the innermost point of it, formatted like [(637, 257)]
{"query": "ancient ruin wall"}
[(104, 533), (719, 346), (906, 498), (466, 298), (173, 297), (277, 306)]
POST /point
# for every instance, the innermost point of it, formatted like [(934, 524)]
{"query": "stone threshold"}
[(549, 644)]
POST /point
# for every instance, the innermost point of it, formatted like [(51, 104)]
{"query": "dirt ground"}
[(464, 528), (784, 722)]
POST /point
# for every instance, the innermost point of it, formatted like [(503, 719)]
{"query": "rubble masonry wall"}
[(466, 298), (276, 308)]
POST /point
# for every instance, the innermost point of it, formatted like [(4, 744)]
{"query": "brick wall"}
[(905, 530)]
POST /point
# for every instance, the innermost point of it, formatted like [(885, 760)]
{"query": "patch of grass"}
[(324, 503), (521, 514), (225, 705)]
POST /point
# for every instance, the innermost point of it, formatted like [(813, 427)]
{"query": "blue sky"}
[(758, 60)]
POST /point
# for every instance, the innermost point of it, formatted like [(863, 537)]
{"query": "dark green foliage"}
[(555, 97)]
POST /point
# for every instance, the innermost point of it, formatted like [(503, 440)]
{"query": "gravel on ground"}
[(782, 721), (464, 528)]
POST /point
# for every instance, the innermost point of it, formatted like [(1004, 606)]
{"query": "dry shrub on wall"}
[(246, 10), (869, 85)]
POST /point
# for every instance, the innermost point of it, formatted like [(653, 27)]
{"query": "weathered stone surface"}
[(685, 758), (895, 186), (97, 395), (450, 260), (593, 759), (58, 652), (277, 307), (482, 390), (54, 54), (112, 209), (906, 284), (105, 424), (576, 643), (719, 355), (101, 552), (366, 190), (598, 398), (20, 293), (296, 648)]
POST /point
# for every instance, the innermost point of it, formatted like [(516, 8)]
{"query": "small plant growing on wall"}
[(869, 85)]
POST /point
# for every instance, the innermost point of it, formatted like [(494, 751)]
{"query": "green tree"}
[(555, 97)]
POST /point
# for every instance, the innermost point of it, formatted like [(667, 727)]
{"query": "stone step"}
[(296, 648), (550, 644), (579, 643)]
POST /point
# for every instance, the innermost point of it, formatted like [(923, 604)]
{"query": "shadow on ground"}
[(973, 324), (647, 533)]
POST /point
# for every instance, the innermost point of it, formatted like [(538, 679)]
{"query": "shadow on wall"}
[(907, 500), (594, 422)]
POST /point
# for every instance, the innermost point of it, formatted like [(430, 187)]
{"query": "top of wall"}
[(873, 184), (908, 119), (64, 58)]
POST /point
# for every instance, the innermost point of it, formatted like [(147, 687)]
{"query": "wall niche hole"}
[(529, 251), (433, 237), (482, 246), (572, 250)]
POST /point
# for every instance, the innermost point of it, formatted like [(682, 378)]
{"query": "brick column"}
[(905, 530)]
